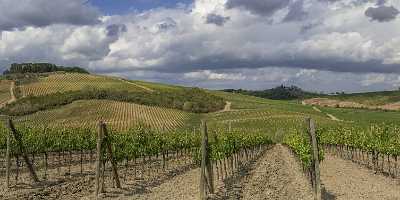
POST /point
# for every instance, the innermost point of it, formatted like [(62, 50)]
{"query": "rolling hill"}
[(58, 114)]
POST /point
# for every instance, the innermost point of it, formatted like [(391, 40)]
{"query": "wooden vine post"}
[(206, 177), (99, 160), (315, 162), (110, 153), (103, 138), (21, 147), (8, 160)]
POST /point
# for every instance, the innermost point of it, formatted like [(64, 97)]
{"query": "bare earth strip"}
[(332, 117), (227, 107), (13, 98), (346, 180), (185, 187), (277, 176), (137, 85)]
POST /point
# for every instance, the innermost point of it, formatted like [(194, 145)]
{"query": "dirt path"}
[(317, 109), (332, 117), (137, 85), (184, 187), (346, 180), (277, 175), (227, 107), (13, 98)]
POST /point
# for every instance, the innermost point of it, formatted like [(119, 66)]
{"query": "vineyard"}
[(63, 152), (62, 82), (4, 91), (56, 153), (120, 116)]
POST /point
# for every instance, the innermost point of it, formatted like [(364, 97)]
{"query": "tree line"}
[(41, 68), (278, 93)]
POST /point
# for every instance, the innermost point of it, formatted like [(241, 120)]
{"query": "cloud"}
[(115, 29), (41, 13), (216, 19), (91, 43), (259, 7), (296, 12), (382, 13), (381, 2), (371, 79), (179, 43), (209, 75)]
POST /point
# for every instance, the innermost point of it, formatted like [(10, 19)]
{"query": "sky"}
[(319, 45)]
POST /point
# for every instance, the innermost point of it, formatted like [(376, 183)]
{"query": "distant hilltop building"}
[(22, 68)]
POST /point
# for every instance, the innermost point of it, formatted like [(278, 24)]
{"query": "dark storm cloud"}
[(259, 7), (382, 13), (223, 61), (381, 2), (39, 13), (115, 29), (216, 19), (296, 12)]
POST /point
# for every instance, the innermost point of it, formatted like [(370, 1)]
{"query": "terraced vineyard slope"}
[(62, 82), (119, 115)]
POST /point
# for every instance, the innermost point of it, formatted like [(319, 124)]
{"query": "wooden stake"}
[(206, 178), (113, 162), (8, 160), (18, 138), (313, 138), (98, 159)]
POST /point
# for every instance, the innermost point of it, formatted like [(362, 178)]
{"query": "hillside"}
[(52, 90), (260, 147), (370, 98), (388, 100), (65, 82), (384, 100), (120, 116)]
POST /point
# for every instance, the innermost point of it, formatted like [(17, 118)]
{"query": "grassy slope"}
[(370, 98), (52, 90), (363, 116), (272, 117)]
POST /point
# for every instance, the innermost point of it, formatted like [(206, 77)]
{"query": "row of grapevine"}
[(130, 144), (61, 82), (119, 115), (67, 147), (376, 146), (383, 138)]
